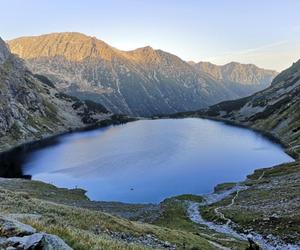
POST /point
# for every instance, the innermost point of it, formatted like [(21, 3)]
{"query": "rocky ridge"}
[(246, 74), (141, 82)]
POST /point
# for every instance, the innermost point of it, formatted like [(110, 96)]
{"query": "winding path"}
[(221, 215), (195, 216)]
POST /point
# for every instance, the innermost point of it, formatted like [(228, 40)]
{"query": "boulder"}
[(16, 235), (37, 241), (10, 227)]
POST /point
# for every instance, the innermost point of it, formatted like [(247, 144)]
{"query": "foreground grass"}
[(270, 205), (83, 228)]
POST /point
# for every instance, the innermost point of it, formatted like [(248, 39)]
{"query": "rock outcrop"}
[(16, 235), (12, 227)]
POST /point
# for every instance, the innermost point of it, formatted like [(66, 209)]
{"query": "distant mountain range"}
[(245, 74), (142, 82)]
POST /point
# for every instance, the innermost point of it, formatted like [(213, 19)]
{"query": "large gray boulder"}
[(10, 227), (16, 235), (39, 241)]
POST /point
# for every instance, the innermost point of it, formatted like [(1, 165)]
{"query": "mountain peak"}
[(147, 48), (144, 54), (143, 50), (73, 46), (237, 65), (192, 63)]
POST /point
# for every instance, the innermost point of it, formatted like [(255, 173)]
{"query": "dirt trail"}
[(238, 189), (195, 215), (221, 215)]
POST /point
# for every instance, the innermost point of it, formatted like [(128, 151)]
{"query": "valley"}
[(48, 90)]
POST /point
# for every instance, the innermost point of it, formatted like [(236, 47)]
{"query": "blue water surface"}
[(148, 160)]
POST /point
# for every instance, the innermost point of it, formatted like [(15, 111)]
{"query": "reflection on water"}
[(147, 161)]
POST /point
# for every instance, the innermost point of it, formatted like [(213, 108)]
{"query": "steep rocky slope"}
[(274, 111), (140, 82), (31, 108), (243, 79)]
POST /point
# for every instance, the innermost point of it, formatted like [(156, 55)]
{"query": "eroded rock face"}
[(16, 235)]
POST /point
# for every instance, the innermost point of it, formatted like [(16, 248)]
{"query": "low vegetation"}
[(37, 204), (269, 206), (174, 215)]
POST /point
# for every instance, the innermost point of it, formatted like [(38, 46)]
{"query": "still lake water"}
[(149, 160)]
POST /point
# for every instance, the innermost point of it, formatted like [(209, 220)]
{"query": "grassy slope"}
[(82, 228), (270, 205)]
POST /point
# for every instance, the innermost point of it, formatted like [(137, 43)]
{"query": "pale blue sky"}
[(263, 32)]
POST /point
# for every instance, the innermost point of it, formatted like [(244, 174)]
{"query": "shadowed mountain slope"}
[(32, 108)]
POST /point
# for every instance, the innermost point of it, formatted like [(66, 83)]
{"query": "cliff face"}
[(139, 82), (31, 108)]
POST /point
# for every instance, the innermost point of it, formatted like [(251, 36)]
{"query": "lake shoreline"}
[(145, 212), (105, 123)]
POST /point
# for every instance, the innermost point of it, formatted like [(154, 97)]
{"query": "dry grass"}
[(89, 229)]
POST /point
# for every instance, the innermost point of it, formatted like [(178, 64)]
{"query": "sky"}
[(262, 32)]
